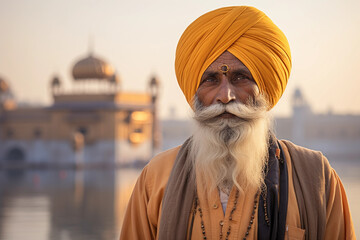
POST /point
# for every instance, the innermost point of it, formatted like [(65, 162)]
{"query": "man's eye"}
[(240, 78), (209, 80)]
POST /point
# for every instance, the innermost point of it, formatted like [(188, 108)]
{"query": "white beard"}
[(231, 151)]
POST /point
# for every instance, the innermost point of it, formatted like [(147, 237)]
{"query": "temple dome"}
[(92, 68)]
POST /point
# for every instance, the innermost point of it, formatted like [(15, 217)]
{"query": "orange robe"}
[(143, 213)]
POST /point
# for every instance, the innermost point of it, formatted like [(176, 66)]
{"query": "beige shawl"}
[(311, 175)]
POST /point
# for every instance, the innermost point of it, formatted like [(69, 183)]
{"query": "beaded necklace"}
[(197, 207)]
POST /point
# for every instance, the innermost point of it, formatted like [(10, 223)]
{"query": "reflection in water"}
[(15, 175), (64, 204), (90, 204), (25, 217)]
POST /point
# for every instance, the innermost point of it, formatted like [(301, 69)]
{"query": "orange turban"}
[(249, 35)]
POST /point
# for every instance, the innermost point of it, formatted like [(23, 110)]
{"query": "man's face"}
[(230, 141), (226, 80)]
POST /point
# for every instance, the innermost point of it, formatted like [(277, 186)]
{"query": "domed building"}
[(93, 123), (92, 68)]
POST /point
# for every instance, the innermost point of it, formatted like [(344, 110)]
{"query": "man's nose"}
[(225, 93)]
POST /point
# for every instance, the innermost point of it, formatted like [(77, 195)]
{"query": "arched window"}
[(15, 154)]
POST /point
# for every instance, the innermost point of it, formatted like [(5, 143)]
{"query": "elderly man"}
[(233, 179)]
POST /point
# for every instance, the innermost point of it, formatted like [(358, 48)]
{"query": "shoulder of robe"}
[(162, 164), (164, 159), (309, 164), (308, 157)]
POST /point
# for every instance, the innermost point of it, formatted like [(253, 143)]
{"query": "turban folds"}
[(245, 32)]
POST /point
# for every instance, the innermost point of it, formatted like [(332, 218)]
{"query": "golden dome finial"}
[(91, 45)]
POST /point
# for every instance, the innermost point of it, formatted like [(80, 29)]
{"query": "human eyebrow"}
[(209, 74), (244, 72)]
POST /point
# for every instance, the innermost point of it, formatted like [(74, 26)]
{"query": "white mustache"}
[(242, 112)]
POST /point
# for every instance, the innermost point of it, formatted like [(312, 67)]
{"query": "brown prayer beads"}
[(197, 207)]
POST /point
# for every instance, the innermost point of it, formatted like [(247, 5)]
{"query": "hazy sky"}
[(40, 38)]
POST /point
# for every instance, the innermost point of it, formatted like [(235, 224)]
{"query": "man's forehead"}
[(226, 59)]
